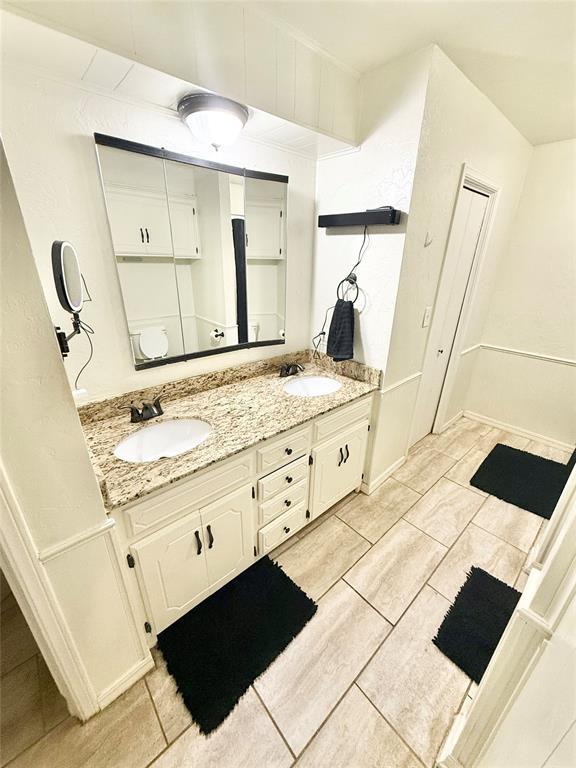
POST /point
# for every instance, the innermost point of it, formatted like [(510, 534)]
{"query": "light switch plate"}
[(427, 316)]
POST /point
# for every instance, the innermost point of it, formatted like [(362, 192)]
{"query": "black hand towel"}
[(341, 334)]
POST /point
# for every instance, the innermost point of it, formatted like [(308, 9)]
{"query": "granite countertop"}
[(241, 414)]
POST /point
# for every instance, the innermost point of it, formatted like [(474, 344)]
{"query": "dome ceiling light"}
[(213, 119)]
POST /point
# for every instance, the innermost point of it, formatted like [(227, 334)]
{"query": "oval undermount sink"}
[(311, 386), (166, 439)]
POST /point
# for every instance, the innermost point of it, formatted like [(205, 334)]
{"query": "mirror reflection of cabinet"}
[(200, 251)]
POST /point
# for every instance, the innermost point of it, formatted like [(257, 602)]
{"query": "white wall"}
[(379, 173), (46, 472), (460, 125), (533, 308), (47, 127)]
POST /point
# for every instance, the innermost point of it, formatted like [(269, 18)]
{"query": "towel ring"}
[(351, 279)]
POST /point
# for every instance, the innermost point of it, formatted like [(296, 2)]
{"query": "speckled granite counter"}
[(241, 414)]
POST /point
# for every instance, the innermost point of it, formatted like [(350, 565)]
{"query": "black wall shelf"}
[(360, 219)]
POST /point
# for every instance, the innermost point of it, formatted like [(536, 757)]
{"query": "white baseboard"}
[(126, 681), (449, 423), (518, 430), (369, 488)]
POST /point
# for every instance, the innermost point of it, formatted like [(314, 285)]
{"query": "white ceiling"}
[(521, 54), (31, 46)]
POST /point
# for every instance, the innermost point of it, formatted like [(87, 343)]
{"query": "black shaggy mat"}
[(471, 629), (523, 479), (217, 650)]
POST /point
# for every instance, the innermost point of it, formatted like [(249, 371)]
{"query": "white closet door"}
[(184, 218), (454, 282), (126, 223), (172, 569)]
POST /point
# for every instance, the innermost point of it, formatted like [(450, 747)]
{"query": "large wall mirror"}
[(200, 250)]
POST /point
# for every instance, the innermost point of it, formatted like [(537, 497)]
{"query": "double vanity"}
[(238, 463)]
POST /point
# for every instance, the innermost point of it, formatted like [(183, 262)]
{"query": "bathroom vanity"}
[(186, 532)]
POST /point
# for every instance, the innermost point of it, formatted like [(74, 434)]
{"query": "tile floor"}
[(362, 685)]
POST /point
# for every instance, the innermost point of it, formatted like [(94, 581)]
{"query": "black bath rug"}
[(473, 626), (217, 650), (523, 479)]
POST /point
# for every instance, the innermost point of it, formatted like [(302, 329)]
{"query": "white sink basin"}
[(166, 439), (311, 386)]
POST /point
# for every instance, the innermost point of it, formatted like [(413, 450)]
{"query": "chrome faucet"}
[(290, 369)]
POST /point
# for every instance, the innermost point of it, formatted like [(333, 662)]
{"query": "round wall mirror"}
[(67, 276)]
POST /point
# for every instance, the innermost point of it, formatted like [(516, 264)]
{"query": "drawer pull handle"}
[(210, 536), (341, 457), (289, 479), (288, 451), (198, 543), (286, 529), (287, 502), (347, 453)]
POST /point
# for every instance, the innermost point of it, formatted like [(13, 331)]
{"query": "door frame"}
[(477, 182), (33, 592)]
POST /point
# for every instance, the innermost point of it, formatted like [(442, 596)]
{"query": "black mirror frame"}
[(144, 149)]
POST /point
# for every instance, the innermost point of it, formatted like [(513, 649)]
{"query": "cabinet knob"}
[(286, 529), (288, 451), (287, 502), (289, 479)]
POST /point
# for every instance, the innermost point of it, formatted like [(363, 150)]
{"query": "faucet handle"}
[(157, 406)]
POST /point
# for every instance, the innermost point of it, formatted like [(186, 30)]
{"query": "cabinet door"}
[(228, 533), (139, 222), (263, 231), (337, 467), (126, 222), (172, 569), (154, 216), (184, 221)]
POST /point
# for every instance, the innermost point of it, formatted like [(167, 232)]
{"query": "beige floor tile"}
[(463, 470), (54, 707), (476, 547), (173, 714), (423, 468), (21, 710), (246, 739), (306, 682), (445, 510), (373, 515), (548, 451), (459, 438), (390, 575), (16, 641), (357, 736), (318, 560), (284, 547), (496, 436), (124, 735), (516, 526), (415, 687)]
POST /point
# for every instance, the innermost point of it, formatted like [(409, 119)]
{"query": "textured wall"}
[(58, 185)]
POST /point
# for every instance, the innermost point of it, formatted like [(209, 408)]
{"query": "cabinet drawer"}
[(283, 501), (189, 495), (333, 423), (282, 479), (272, 535), (284, 449)]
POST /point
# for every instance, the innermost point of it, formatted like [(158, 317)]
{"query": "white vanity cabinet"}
[(181, 564), (337, 467), (189, 540)]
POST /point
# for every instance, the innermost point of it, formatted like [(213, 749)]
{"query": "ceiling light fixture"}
[(213, 119)]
